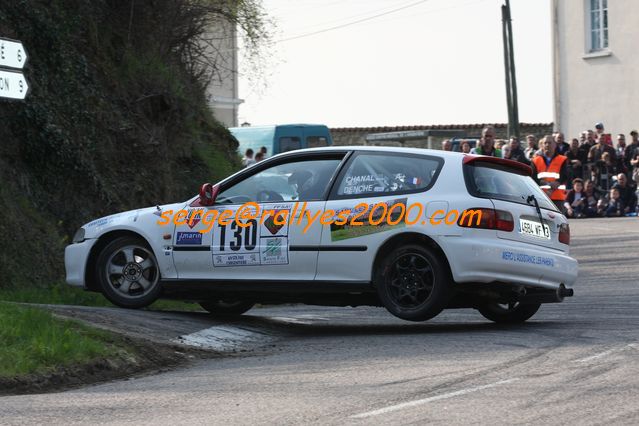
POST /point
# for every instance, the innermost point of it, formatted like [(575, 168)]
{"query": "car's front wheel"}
[(226, 307), (509, 313), (128, 273), (413, 283)]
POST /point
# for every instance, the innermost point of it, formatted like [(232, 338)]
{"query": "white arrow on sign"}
[(13, 85), (12, 54)]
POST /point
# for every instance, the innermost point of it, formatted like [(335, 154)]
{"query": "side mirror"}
[(208, 194)]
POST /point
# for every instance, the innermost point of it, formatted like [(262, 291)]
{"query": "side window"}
[(297, 181), (316, 141), (289, 143), (370, 174)]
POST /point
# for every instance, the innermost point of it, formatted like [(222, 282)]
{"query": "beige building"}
[(596, 65), (222, 91)]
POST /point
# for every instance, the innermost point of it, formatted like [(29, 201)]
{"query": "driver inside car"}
[(302, 181)]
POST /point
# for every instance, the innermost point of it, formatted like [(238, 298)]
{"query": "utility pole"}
[(509, 68)]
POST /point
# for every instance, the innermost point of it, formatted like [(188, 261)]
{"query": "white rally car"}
[(505, 263)]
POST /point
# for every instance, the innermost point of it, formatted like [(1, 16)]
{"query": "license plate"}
[(534, 229)]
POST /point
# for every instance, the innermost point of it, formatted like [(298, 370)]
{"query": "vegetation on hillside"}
[(117, 117)]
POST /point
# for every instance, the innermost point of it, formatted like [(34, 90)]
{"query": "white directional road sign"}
[(13, 85), (12, 54)]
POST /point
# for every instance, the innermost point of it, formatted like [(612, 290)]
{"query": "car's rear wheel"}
[(413, 283), (509, 313), (128, 273), (223, 307)]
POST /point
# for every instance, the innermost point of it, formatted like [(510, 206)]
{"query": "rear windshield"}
[(488, 180)]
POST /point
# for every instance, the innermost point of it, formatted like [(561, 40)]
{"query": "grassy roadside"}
[(40, 352), (62, 294), (33, 341)]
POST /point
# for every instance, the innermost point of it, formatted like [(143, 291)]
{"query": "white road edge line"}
[(417, 402)]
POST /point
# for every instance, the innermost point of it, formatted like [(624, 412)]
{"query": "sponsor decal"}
[(368, 220), (250, 259), (100, 222), (193, 218), (274, 251), (253, 241), (524, 258), (270, 224), (188, 238)]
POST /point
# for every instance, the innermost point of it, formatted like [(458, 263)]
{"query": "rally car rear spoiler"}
[(514, 166)]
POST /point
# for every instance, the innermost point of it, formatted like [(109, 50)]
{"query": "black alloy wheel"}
[(413, 283)]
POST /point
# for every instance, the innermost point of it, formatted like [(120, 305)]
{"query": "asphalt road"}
[(574, 362)]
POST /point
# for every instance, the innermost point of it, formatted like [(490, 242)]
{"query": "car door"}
[(370, 196), (264, 224)]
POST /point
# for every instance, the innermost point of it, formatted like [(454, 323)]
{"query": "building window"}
[(598, 25)]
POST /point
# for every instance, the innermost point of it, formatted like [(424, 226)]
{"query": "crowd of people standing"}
[(589, 176), (251, 158)]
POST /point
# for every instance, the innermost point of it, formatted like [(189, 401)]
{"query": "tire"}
[(509, 314), (221, 307), (128, 273), (413, 283)]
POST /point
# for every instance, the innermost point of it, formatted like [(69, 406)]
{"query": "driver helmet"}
[(302, 179)]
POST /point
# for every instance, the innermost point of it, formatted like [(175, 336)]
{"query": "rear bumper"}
[(75, 262), (492, 260)]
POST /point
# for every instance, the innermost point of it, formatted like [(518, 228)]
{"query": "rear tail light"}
[(500, 220), (564, 233)]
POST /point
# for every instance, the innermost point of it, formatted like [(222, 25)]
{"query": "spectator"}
[(465, 147), (582, 138), (603, 172), (597, 150), (600, 134), (486, 143), (531, 146), (248, 158), (259, 157), (587, 143), (621, 145), (576, 203), (592, 198), (590, 138), (505, 150), (550, 171), (447, 145), (615, 206), (516, 153), (263, 151), (626, 193), (634, 162), (620, 152), (562, 146), (576, 158), (629, 152)]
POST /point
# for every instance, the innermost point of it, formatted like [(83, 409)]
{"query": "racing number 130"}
[(249, 234)]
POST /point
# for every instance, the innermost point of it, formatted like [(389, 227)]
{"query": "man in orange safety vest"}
[(550, 171)]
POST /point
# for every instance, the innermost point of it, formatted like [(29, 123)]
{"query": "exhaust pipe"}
[(547, 296)]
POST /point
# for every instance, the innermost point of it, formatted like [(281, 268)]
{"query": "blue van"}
[(282, 137)]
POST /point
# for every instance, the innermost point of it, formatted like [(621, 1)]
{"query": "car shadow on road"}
[(348, 326)]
